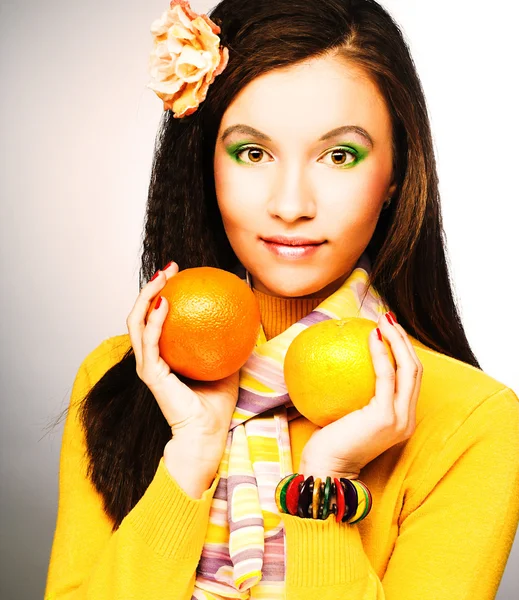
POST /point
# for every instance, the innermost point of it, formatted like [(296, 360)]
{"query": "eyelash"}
[(344, 149)]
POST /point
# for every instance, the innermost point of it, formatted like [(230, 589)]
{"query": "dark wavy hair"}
[(119, 414)]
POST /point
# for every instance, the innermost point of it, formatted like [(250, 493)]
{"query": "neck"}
[(277, 313)]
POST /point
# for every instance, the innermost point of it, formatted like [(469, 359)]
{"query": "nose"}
[(292, 197)]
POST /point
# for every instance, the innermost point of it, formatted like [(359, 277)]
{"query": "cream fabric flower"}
[(185, 59)]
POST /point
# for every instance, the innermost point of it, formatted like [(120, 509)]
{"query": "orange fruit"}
[(212, 324), (329, 370)]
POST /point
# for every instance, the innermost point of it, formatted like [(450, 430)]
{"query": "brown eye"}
[(254, 155), (338, 154)]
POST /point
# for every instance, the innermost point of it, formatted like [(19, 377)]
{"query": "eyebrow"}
[(247, 130)]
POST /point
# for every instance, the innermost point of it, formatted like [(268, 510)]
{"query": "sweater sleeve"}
[(455, 531), (152, 555)]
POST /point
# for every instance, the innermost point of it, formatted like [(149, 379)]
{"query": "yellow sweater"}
[(445, 504)]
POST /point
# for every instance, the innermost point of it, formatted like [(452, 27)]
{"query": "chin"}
[(292, 287)]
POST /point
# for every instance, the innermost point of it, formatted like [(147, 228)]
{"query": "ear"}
[(392, 189)]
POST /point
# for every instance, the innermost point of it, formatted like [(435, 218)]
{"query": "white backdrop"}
[(77, 133)]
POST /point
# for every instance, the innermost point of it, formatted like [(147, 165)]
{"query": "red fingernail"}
[(393, 316), (388, 317), (168, 265), (157, 304), (155, 276), (379, 334)]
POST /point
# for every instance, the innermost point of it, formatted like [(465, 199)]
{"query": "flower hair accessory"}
[(186, 57)]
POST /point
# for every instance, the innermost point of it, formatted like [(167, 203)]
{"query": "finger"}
[(172, 269), (153, 365), (416, 393), (385, 376), (408, 376), (408, 343), (135, 321), (406, 368), (411, 424)]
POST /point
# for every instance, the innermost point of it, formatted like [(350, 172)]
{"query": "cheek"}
[(238, 199), (234, 214), (377, 182), (352, 214), (224, 188), (359, 201), (220, 178), (231, 206)]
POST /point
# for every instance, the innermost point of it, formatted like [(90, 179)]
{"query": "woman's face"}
[(303, 153)]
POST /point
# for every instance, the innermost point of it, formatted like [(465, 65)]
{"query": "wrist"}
[(193, 465), (322, 468)]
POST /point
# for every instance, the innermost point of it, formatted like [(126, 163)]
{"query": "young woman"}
[(296, 152)]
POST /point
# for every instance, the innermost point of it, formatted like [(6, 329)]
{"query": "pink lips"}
[(291, 248)]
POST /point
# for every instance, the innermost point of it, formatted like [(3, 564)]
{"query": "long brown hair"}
[(124, 427)]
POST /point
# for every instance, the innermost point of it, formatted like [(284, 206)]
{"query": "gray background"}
[(77, 131)]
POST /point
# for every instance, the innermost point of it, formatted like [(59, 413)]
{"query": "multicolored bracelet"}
[(312, 499)]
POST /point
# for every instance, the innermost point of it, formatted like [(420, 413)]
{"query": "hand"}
[(343, 447), (199, 414)]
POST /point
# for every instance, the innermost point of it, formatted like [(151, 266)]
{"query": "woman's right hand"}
[(199, 414)]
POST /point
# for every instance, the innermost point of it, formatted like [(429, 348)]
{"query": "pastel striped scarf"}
[(244, 550)]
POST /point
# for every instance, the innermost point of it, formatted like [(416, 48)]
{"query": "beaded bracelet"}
[(311, 499)]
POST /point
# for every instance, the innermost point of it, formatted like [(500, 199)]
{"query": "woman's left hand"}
[(344, 447)]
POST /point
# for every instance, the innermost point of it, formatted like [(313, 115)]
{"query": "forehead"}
[(307, 99)]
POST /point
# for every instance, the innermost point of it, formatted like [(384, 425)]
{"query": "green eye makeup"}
[(234, 149), (358, 152)]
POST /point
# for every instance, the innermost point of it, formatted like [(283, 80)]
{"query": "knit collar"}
[(277, 314)]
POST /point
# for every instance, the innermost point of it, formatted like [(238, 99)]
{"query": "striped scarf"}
[(244, 549)]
